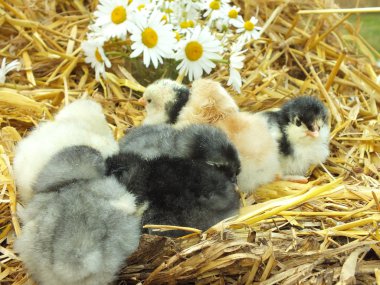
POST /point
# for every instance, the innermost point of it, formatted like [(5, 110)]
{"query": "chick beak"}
[(142, 101), (314, 133)]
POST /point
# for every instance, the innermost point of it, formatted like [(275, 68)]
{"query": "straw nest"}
[(323, 232)]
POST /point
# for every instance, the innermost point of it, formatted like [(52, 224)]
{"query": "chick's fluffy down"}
[(79, 123), (200, 142), (258, 151), (179, 191), (77, 231)]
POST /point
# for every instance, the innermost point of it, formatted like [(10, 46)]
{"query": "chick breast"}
[(79, 123), (77, 231)]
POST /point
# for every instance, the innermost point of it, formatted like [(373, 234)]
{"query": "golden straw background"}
[(323, 232)]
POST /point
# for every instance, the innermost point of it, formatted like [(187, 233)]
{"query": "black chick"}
[(302, 130), (179, 191)]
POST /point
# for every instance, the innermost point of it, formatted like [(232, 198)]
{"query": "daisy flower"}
[(236, 64), (197, 51), (5, 68), (94, 52), (113, 18), (152, 37), (215, 9), (249, 29), (230, 17), (233, 17)]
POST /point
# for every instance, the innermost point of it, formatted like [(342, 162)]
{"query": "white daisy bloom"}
[(230, 16), (248, 29), (5, 68), (153, 38), (94, 52), (233, 17), (114, 18), (215, 9), (236, 64), (197, 51)]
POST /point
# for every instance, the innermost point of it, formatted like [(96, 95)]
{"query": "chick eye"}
[(149, 100), (298, 122)]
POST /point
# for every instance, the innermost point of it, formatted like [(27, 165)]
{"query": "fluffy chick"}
[(79, 226), (173, 97), (79, 123), (197, 142), (210, 103), (302, 131), (179, 191)]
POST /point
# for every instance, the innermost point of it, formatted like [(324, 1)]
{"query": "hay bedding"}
[(323, 232)]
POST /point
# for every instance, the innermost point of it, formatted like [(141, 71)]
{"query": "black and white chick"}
[(79, 123), (166, 110), (302, 131), (198, 142), (178, 191), (80, 225)]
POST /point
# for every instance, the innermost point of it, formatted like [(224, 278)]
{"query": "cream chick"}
[(79, 123)]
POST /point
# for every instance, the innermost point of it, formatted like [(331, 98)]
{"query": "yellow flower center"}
[(190, 23), (118, 15), (177, 36), (193, 50), (233, 14), (149, 37), (98, 56), (168, 11), (140, 7), (164, 18), (249, 26), (184, 25), (215, 5), (129, 2)]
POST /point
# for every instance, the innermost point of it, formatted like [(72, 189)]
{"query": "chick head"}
[(307, 119), (163, 100)]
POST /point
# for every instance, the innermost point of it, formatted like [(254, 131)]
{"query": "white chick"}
[(173, 97), (210, 103), (302, 131), (79, 123), (80, 225)]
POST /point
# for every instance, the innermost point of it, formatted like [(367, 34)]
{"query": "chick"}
[(79, 123), (210, 103), (179, 191), (79, 226), (173, 97), (302, 131), (198, 142)]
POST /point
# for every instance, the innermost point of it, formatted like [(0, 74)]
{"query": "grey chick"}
[(180, 192), (80, 225), (166, 110), (79, 123), (197, 142), (302, 131)]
